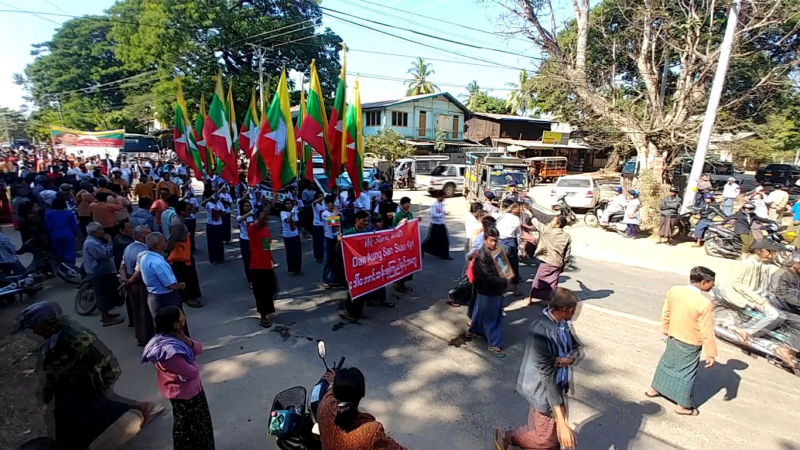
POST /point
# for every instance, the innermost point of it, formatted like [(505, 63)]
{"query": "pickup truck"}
[(785, 174), (447, 177)]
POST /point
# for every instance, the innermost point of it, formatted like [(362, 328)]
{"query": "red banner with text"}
[(373, 260)]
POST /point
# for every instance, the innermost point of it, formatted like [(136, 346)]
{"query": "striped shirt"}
[(8, 251)]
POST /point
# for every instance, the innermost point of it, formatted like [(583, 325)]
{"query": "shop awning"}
[(516, 145)]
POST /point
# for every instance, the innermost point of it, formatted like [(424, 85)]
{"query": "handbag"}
[(181, 252)]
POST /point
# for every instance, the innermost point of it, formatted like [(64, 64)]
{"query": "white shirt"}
[(287, 229), (195, 206), (329, 231), (470, 225), (618, 204), (211, 206), (227, 197), (632, 209), (437, 213), (318, 210), (243, 227), (507, 225), (364, 201), (731, 190)]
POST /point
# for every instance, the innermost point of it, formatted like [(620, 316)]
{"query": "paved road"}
[(432, 389)]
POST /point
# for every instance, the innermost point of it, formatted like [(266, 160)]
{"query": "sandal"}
[(649, 395), (692, 412), (470, 335), (454, 304), (326, 286), (265, 323), (500, 441), (497, 352), (194, 303), (112, 322), (151, 414)]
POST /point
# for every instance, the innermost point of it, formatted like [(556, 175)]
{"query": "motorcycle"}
[(565, 210), (722, 242), (28, 282), (728, 317), (592, 218), (85, 301), (293, 420), (44, 260)]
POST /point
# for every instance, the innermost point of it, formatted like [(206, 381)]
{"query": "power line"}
[(34, 14), (104, 84), (100, 18), (55, 6), (274, 30), (389, 78)]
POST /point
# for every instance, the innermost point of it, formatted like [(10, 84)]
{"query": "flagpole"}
[(343, 158)]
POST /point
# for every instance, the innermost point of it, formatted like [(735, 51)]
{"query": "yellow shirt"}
[(688, 316), (145, 190)]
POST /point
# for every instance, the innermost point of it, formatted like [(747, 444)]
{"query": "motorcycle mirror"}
[(321, 349)]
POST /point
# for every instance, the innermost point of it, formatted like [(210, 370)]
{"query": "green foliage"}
[(153, 41), (419, 83), (14, 123), (651, 191), (439, 144), (522, 99), (485, 103), (778, 139), (388, 144)]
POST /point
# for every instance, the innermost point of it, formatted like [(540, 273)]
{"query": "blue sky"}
[(20, 31)]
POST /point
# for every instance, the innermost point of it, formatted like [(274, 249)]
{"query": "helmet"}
[(749, 206), (674, 189), (618, 190), (634, 192), (708, 195)]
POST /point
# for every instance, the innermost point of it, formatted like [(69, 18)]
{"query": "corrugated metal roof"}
[(510, 117)]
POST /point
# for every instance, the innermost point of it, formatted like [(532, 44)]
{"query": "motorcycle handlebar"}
[(341, 363)]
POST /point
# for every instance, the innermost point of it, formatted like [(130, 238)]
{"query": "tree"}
[(439, 143), (485, 103), (12, 123), (778, 139), (388, 144), (419, 84), (472, 90), (521, 99), (638, 72)]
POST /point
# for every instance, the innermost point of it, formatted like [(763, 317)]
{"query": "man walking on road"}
[(688, 322), (544, 378), (553, 252)]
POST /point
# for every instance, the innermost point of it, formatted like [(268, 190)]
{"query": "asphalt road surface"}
[(431, 388)]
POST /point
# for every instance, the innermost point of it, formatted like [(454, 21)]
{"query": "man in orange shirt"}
[(159, 206), (165, 183), (104, 211), (687, 320), (146, 188)]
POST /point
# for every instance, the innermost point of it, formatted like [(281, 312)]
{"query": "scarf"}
[(564, 345), (163, 347)]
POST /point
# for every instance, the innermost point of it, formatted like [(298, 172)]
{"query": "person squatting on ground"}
[(545, 378), (687, 320)]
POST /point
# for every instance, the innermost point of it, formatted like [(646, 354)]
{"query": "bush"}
[(651, 191)]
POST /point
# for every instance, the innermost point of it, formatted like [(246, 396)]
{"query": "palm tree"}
[(472, 90), (419, 84), (521, 99)]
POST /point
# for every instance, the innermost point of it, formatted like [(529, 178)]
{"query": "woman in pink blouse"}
[(179, 380)]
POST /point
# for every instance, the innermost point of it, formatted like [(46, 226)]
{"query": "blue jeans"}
[(727, 206)]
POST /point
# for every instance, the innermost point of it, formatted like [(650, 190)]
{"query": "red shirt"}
[(260, 240)]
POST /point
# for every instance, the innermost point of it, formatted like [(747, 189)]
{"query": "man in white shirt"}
[(777, 201), (508, 225), (364, 200), (437, 243), (729, 194), (616, 205)]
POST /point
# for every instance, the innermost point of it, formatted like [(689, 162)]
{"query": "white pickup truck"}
[(447, 177)]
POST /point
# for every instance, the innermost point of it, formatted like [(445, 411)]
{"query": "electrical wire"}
[(389, 78), (33, 14), (55, 6)]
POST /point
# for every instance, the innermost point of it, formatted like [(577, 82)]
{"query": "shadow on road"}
[(615, 427), (721, 376)]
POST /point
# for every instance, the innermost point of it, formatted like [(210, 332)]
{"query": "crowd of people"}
[(145, 259)]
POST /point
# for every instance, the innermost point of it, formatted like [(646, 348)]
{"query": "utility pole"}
[(60, 114), (260, 52), (713, 103), (8, 135)]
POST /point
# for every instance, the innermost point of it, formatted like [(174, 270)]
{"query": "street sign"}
[(551, 137)]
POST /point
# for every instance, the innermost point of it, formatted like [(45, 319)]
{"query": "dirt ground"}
[(21, 413)]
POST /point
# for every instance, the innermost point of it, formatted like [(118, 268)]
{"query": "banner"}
[(65, 138), (374, 260)]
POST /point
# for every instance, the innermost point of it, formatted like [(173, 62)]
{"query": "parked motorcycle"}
[(722, 242), (592, 218), (85, 301), (565, 210), (293, 421), (728, 317), (28, 282), (43, 260)]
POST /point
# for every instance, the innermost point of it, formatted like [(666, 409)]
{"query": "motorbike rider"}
[(747, 286), (743, 225), (784, 295), (341, 425), (616, 205), (708, 211)]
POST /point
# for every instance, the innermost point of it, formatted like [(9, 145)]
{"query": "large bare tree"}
[(643, 68)]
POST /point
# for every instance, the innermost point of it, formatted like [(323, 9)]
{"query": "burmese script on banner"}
[(374, 260)]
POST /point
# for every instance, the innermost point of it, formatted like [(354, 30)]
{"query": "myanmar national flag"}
[(248, 138), (303, 149), (355, 142), (185, 144), (205, 154), (333, 159), (234, 128), (276, 142), (314, 130), (217, 134)]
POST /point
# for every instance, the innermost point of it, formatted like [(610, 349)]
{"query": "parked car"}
[(786, 174), (581, 191), (447, 177)]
